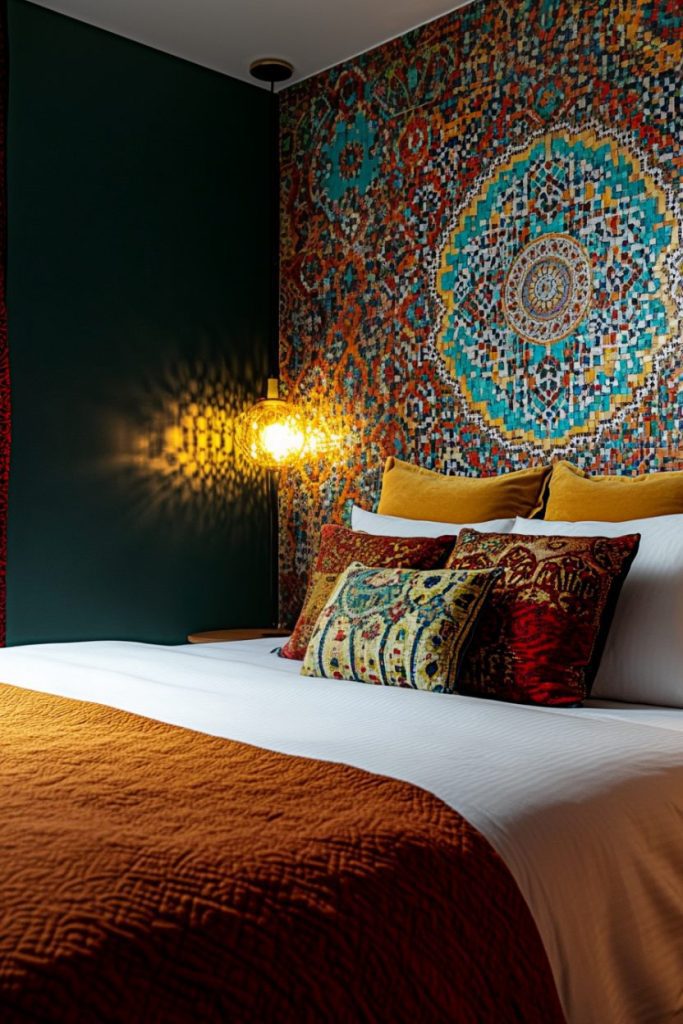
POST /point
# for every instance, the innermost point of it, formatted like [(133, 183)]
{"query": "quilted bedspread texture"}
[(151, 873)]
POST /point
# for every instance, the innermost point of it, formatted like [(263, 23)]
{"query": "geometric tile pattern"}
[(481, 251), (558, 281)]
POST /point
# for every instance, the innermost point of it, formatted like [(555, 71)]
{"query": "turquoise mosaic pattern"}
[(418, 307), (349, 161), (530, 378)]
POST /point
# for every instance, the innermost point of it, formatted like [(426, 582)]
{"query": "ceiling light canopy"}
[(271, 69)]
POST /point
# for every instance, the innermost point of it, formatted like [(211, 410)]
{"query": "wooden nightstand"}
[(216, 636)]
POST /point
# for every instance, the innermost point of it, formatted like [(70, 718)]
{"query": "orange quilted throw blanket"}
[(152, 874)]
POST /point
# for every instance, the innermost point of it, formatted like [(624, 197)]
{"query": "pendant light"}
[(272, 432)]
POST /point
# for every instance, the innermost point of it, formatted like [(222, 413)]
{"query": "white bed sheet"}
[(584, 805)]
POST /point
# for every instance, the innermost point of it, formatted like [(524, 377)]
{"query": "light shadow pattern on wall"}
[(177, 451), (481, 249)]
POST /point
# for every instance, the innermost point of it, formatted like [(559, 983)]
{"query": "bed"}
[(583, 807)]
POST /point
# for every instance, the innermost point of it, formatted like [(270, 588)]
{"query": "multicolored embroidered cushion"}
[(542, 631), (397, 627), (339, 547)]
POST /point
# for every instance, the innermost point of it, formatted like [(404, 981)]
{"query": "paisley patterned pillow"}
[(397, 627), (541, 634), (339, 546)]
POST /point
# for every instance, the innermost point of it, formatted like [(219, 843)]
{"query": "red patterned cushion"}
[(541, 634), (339, 547)]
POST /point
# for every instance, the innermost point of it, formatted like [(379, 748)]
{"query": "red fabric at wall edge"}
[(5, 407)]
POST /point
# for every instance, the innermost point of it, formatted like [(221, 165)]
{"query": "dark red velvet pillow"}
[(339, 546), (541, 633)]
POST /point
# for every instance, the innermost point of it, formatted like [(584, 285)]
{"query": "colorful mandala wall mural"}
[(482, 265)]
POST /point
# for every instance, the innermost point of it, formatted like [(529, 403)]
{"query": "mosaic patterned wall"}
[(481, 251)]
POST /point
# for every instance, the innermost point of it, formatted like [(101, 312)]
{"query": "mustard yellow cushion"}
[(575, 496), (416, 493)]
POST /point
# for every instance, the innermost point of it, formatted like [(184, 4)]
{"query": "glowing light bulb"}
[(282, 441), (273, 432)]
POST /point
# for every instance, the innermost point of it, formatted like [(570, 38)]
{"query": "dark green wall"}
[(139, 254)]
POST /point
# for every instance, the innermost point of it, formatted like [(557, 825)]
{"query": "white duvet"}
[(585, 806)]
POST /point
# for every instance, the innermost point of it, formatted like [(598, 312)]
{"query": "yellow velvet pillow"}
[(416, 493), (575, 496)]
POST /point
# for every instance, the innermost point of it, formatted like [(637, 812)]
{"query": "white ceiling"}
[(227, 35)]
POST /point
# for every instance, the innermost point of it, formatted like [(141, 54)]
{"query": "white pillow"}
[(643, 658), (394, 526)]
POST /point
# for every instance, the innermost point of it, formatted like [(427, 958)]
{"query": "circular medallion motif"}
[(558, 288), (548, 289)]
